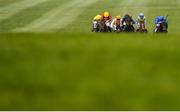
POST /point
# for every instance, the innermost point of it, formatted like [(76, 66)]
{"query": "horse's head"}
[(128, 22), (95, 24), (163, 25), (142, 25)]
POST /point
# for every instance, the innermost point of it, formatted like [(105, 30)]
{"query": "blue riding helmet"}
[(161, 19), (141, 15)]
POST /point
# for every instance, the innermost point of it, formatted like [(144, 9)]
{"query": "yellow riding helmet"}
[(98, 17), (118, 17), (106, 14)]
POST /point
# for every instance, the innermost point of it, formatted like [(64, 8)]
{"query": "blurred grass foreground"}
[(81, 71)]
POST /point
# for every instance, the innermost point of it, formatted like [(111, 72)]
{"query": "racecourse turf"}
[(50, 60)]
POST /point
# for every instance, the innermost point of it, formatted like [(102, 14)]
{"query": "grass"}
[(82, 71), (6, 2), (71, 68)]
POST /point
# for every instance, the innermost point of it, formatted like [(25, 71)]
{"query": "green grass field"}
[(49, 59)]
